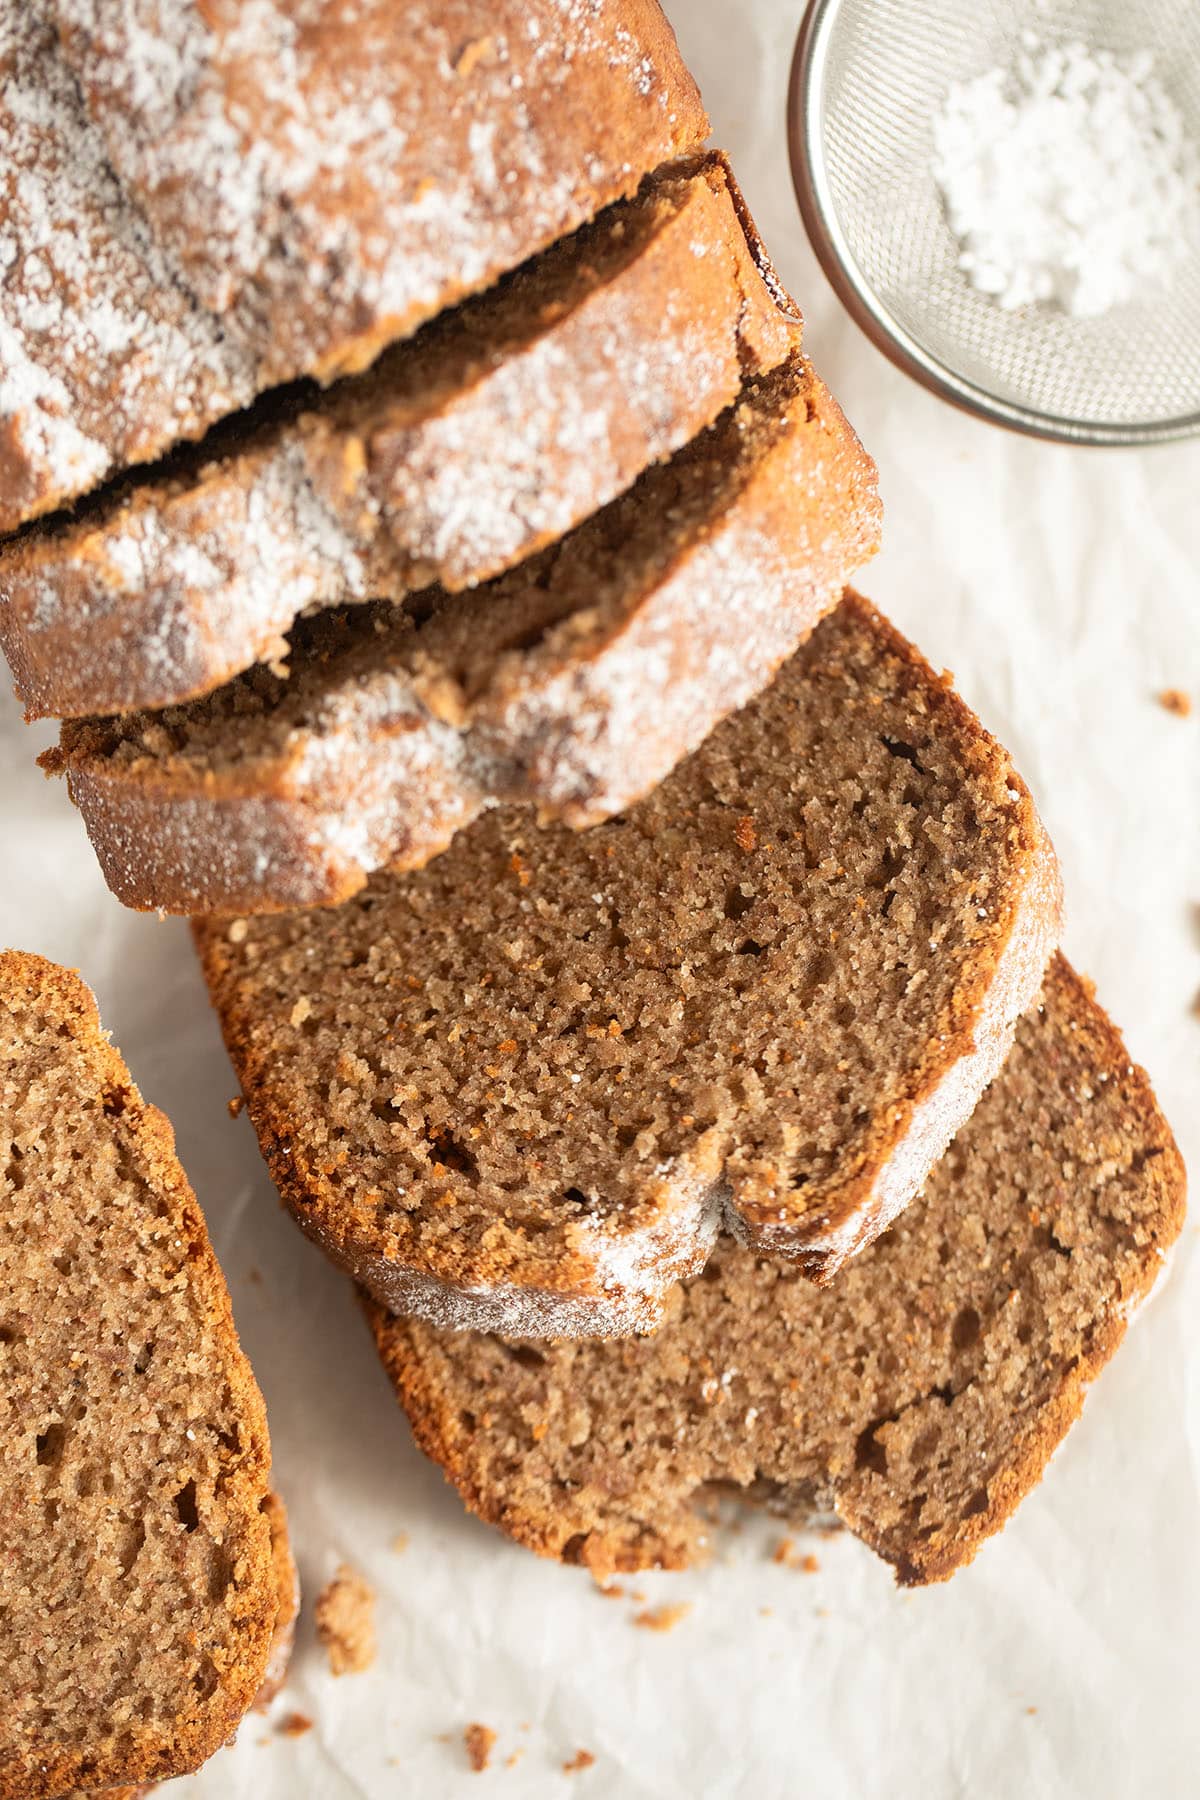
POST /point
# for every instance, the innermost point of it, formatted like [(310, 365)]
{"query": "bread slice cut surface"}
[(524, 1087), (140, 1585), (918, 1399), (573, 683), (495, 430)]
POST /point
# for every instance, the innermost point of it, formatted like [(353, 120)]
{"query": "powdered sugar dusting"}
[(328, 176), (103, 354), (368, 773), (383, 488)]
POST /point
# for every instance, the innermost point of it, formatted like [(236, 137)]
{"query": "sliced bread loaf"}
[(523, 1087), (575, 682), (202, 200), (918, 1399), (500, 426), (141, 1586)]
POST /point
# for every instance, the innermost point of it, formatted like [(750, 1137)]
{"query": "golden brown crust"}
[(268, 196), (42, 1769), (492, 433), (579, 723), (478, 1433), (398, 158)]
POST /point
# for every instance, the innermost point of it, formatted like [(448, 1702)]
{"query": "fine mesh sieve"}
[(868, 79)]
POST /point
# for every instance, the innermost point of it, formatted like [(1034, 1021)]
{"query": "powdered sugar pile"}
[(1067, 178)]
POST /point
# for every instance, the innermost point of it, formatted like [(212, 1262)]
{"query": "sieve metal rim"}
[(810, 178)]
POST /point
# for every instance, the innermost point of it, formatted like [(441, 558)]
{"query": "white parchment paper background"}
[(1061, 587)]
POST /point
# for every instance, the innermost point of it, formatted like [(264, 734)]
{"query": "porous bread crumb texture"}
[(139, 1593), (920, 1397), (250, 194), (495, 430), (345, 1617), (573, 683), (526, 1083)]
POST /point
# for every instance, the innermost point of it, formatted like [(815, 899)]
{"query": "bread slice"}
[(141, 1584), (523, 1088), (203, 201), (500, 426), (574, 683), (287, 1588), (918, 1400)]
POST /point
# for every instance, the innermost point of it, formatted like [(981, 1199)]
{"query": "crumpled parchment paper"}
[(1061, 588)]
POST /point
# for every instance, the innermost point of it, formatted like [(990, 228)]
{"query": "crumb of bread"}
[(1174, 700), (236, 1106), (786, 1553), (294, 1725), (479, 1740), (663, 1618), (345, 1616), (582, 1759), (510, 1762), (611, 1590), (400, 1542)]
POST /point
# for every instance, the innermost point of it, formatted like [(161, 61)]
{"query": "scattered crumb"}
[(582, 1759), (294, 1725), (638, 1597), (263, 1742), (479, 1740), (611, 1590), (345, 1616), (510, 1762), (236, 1106), (663, 1618), (400, 1542), (766, 1612), (785, 1552), (822, 1612), (1174, 700), (1031, 1709), (254, 1276)]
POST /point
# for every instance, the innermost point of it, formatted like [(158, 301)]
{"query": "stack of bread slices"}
[(639, 965)]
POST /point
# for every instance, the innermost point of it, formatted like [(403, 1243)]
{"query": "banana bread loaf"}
[(918, 1399), (574, 683), (141, 1590), (523, 1087), (496, 429)]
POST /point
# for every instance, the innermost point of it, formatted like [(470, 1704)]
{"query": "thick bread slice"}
[(241, 195), (575, 682), (919, 1398), (495, 430), (522, 1088), (140, 1585), (287, 1589)]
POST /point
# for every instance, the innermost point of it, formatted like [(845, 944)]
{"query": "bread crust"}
[(47, 1770), (614, 1282), (421, 1365), (393, 481), (276, 196), (580, 726)]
